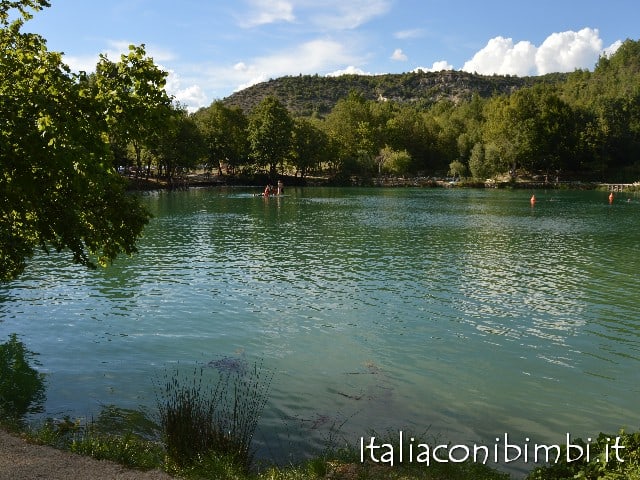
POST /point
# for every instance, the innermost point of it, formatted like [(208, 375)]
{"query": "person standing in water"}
[(280, 190)]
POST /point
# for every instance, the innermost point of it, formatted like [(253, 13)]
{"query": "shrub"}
[(603, 462)]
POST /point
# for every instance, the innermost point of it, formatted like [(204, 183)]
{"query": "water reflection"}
[(466, 311)]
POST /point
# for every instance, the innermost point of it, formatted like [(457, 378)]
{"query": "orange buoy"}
[(533, 200), (611, 197)]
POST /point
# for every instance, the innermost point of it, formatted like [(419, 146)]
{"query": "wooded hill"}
[(584, 124), (306, 95)]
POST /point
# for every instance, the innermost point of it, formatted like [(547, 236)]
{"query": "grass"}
[(132, 448), (212, 412), (207, 419)]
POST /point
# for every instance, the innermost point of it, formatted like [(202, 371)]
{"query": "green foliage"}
[(22, 387), (128, 449), (211, 465), (310, 146), (224, 131), (131, 94), (352, 124), (179, 145), (603, 461), (457, 169), (585, 124), (212, 414), (22, 6), (309, 95), (57, 183), (270, 133), (61, 134), (393, 161), (112, 436)]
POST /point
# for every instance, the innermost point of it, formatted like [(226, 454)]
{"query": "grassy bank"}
[(205, 422), (122, 436), (130, 448)]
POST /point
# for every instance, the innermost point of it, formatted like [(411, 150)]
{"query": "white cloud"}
[(406, 34), (120, 47), (502, 57), (398, 55), (437, 67), (350, 70), (322, 14), (85, 63), (310, 57), (566, 51), (613, 48), (193, 97), (269, 11), (315, 56), (560, 52), (240, 67), (347, 15), (115, 48)]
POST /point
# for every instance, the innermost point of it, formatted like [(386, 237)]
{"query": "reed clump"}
[(206, 412)]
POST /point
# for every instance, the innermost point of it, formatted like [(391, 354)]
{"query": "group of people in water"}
[(270, 190)]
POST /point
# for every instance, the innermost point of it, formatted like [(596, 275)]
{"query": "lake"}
[(463, 313)]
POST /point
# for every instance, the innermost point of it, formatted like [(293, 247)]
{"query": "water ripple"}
[(478, 312)]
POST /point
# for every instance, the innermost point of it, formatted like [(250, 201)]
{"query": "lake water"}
[(464, 313)]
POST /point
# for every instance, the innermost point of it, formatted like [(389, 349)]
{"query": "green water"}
[(467, 313)]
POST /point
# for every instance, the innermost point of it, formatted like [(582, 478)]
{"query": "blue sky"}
[(213, 48)]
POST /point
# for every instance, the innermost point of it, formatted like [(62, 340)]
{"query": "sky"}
[(212, 48)]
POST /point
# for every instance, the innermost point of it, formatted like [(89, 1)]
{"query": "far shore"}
[(194, 180)]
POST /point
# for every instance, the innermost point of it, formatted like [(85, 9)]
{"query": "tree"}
[(310, 146), (58, 187), (478, 164), (351, 124), (224, 130), (457, 169), (270, 134), (133, 97), (533, 128), (392, 161), (180, 145), (407, 129)]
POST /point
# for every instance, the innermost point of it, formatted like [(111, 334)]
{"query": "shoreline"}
[(22, 460), (204, 180)]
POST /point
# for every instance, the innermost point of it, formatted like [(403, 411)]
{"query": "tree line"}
[(585, 125), (64, 135)]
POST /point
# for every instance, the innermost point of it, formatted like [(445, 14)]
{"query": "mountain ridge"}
[(307, 95)]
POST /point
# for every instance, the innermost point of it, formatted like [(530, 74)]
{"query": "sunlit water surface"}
[(464, 313)]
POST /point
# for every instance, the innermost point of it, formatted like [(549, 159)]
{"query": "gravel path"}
[(20, 460)]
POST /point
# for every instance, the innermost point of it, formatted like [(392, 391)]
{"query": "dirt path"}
[(20, 460)]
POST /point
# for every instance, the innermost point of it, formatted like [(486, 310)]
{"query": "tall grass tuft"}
[(204, 412)]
